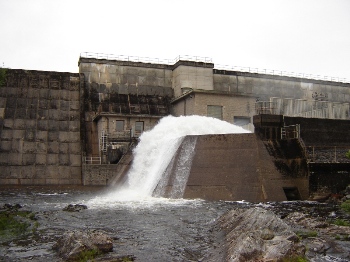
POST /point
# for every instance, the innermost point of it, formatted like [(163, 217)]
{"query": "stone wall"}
[(40, 128)]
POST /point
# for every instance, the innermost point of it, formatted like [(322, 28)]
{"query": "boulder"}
[(256, 234), (75, 208), (72, 244)]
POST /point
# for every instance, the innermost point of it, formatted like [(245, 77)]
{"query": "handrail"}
[(281, 73), (92, 160), (253, 70), (146, 59)]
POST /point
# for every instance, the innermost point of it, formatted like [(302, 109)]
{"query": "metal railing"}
[(281, 73), (328, 154), (210, 60), (92, 160), (146, 59)]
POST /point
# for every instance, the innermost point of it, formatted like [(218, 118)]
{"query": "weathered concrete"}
[(40, 128), (237, 167)]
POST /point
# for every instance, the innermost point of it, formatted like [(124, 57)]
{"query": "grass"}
[(295, 259), (341, 222), (345, 206), (15, 223), (306, 234), (88, 255)]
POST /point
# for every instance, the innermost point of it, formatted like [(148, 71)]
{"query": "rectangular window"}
[(138, 128), (241, 120), (119, 125), (214, 111)]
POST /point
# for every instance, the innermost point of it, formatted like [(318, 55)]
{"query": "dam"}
[(67, 128)]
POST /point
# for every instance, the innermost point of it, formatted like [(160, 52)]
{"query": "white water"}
[(157, 148)]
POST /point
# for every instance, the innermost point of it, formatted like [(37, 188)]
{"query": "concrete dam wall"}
[(236, 167), (40, 128)]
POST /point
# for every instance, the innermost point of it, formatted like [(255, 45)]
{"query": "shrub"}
[(346, 206)]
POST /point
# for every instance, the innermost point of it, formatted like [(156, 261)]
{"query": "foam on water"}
[(156, 149)]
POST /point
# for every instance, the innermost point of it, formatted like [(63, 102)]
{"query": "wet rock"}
[(74, 208), (258, 235), (12, 207), (305, 221), (73, 244)]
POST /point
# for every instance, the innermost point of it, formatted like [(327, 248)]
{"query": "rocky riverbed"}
[(166, 230)]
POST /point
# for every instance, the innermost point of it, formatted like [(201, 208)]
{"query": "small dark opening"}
[(292, 193)]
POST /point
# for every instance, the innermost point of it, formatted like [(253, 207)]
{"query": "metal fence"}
[(146, 59), (92, 160), (246, 69)]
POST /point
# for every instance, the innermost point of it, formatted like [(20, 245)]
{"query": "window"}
[(138, 128), (214, 111), (241, 120), (119, 125)]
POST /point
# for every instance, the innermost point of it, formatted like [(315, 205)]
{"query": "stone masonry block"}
[(63, 115), (14, 159), (14, 171), (52, 172), (74, 136), (17, 146), (30, 134), (64, 172), (53, 147), (28, 172), (53, 125), (52, 136), (74, 96), (8, 123), (75, 173), (41, 136), (64, 159), (52, 181), (30, 123), (63, 137), (74, 126), (19, 124), (40, 172), (40, 159), (5, 146), (29, 147), (74, 106), (64, 148), (65, 94), (52, 159), (64, 125), (53, 114), (3, 158), (43, 125), (29, 159), (74, 148), (74, 115), (19, 134), (6, 134), (43, 114), (41, 147), (64, 106), (75, 160)]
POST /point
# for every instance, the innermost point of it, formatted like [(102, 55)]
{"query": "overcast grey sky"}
[(304, 36)]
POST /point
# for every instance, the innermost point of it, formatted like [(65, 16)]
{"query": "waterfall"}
[(154, 155)]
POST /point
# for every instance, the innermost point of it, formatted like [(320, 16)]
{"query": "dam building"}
[(67, 128)]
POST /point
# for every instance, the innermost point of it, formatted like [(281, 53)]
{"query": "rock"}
[(12, 207), (74, 208), (72, 244), (258, 235), (305, 221)]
